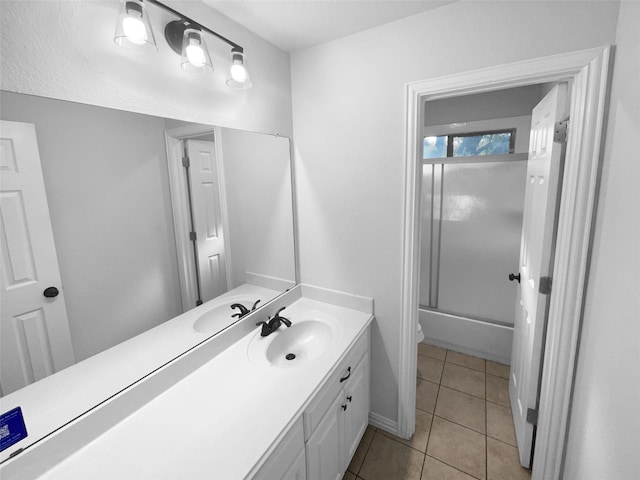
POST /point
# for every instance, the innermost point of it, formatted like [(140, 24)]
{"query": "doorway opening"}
[(587, 72)]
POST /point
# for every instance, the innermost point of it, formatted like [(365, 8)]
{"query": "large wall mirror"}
[(137, 235)]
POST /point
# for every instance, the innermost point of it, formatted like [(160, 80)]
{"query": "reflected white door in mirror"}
[(34, 335)]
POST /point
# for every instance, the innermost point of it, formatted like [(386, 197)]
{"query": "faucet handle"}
[(255, 305), (277, 316)]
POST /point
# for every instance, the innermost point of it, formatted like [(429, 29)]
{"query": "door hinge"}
[(185, 162), (560, 131), (192, 236), (532, 416), (545, 285)]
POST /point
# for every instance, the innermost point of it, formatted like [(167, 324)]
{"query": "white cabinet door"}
[(324, 447), (298, 469), (356, 415)]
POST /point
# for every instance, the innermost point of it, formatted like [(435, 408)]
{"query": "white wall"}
[(105, 172), (604, 433), (348, 109), (65, 50)]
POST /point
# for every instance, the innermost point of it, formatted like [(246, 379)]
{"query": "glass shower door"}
[(471, 227)]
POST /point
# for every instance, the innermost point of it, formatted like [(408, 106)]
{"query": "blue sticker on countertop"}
[(12, 428)]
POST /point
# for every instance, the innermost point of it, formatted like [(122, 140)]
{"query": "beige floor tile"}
[(503, 462), (420, 436), (431, 351), (436, 470), (458, 446), (429, 368), (388, 459), (348, 476), (361, 451), (463, 379), (500, 423), (468, 361), (498, 390), (461, 408), (497, 369), (426, 394)]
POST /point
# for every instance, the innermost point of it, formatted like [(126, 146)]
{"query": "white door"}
[(206, 200), (536, 250), (34, 332)]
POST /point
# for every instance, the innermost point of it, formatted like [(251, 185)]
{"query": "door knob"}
[(513, 277), (51, 292)]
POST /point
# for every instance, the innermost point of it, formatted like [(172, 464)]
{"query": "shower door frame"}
[(588, 73)]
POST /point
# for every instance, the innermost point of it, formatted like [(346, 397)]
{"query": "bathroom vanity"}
[(246, 413)]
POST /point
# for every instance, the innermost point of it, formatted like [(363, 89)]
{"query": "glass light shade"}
[(195, 55), (238, 76), (133, 29)]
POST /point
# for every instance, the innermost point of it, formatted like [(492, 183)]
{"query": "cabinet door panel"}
[(325, 445), (298, 469), (357, 413)]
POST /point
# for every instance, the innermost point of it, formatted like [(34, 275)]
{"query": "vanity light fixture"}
[(133, 29), (184, 36)]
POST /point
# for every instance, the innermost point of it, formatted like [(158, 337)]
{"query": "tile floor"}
[(464, 429)]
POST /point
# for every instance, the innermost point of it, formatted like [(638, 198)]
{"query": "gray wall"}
[(105, 174)]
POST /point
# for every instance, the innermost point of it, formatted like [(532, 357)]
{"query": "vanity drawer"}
[(322, 401)]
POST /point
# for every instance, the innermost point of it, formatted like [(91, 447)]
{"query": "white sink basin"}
[(306, 340), (219, 317)]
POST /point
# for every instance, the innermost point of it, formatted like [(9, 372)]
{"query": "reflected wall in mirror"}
[(125, 256)]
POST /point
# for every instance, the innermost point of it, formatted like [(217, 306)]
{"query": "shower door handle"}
[(513, 277)]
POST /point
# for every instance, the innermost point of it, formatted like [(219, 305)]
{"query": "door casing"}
[(587, 71)]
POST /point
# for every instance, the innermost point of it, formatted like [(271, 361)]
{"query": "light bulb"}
[(238, 73), (134, 29), (196, 55)]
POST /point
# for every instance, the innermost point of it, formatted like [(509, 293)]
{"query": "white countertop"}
[(219, 421), (47, 405)]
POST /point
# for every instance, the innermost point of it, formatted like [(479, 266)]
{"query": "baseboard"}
[(378, 421)]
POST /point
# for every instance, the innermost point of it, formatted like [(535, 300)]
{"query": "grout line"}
[(452, 466), (486, 429), (460, 425), (393, 437), (364, 458)]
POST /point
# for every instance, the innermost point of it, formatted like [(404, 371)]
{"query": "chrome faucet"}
[(243, 310), (273, 323)]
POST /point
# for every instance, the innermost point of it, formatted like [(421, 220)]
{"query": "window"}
[(469, 144)]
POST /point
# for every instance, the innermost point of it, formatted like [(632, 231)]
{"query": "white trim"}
[(588, 69), (383, 423)]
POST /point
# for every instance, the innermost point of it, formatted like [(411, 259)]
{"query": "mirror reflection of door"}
[(207, 214), (35, 340)]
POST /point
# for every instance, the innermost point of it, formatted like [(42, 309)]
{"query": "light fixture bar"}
[(193, 22)]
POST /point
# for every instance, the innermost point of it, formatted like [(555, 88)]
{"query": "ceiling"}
[(298, 24)]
